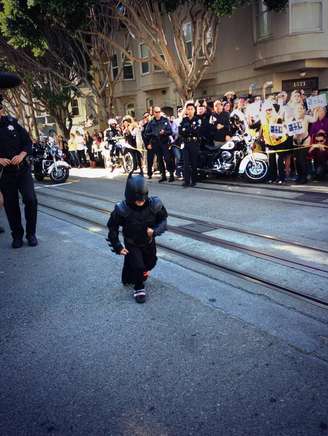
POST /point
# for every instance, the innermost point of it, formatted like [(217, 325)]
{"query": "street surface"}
[(233, 339)]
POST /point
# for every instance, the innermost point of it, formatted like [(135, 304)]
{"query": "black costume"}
[(160, 143), (190, 131), (13, 140), (134, 221)]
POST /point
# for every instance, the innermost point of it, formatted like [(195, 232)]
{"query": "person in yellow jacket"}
[(274, 142)]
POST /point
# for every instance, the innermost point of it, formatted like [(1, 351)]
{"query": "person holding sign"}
[(321, 124), (302, 140), (275, 139)]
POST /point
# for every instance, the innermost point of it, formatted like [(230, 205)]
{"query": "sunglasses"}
[(146, 116), (320, 141), (157, 112)]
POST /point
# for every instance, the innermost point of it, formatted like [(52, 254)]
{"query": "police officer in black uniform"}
[(190, 131), (16, 177), (157, 135), (142, 219), (206, 130)]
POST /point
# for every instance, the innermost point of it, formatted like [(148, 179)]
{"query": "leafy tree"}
[(155, 22)]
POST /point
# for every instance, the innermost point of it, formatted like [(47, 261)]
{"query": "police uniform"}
[(160, 143), (17, 179), (190, 131), (134, 221)]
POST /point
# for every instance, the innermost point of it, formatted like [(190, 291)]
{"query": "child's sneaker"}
[(140, 296)]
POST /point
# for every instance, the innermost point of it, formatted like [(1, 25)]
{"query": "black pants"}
[(82, 156), (280, 158), (190, 160), (137, 160), (301, 163), (164, 154), (11, 185), (138, 261), (150, 160)]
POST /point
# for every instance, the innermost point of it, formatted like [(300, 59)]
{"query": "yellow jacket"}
[(268, 139), (72, 145)]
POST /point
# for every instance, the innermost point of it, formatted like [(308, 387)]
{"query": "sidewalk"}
[(79, 357)]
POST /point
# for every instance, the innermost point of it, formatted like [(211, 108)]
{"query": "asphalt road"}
[(79, 357)]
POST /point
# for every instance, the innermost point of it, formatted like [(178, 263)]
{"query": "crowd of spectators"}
[(292, 129)]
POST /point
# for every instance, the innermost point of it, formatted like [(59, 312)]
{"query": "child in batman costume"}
[(142, 219)]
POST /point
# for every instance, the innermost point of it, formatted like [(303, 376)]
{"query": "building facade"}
[(288, 50)]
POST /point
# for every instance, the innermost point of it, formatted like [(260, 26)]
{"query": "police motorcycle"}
[(119, 154), (235, 157), (48, 161)]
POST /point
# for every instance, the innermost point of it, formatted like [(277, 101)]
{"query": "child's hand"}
[(124, 252), (150, 232)]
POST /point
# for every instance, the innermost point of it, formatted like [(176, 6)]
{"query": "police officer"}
[(15, 146), (157, 135), (206, 130), (190, 131)]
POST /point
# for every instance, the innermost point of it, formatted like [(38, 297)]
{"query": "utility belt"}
[(192, 139), (14, 170)]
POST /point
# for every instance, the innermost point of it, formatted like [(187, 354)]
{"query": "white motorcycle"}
[(235, 157), (48, 161)]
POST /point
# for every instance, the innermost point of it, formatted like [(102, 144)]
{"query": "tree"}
[(155, 23), (41, 85), (54, 30)]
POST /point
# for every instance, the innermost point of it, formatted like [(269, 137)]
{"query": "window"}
[(115, 67), (187, 35), (157, 68), (75, 107), (263, 20), (130, 110), (144, 54), (128, 73), (149, 103), (305, 16)]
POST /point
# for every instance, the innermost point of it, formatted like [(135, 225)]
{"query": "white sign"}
[(276, 130), (316, 101), (295, 128)]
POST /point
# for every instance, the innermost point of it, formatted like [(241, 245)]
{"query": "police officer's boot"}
[(171, 179), (162, 179), (17, 242), (32, 240)]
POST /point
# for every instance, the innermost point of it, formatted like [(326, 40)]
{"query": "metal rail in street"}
[(246, 276)]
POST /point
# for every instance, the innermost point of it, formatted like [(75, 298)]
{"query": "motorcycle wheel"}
[(39, 177), (256, 173), (60, 175), (128, 162)]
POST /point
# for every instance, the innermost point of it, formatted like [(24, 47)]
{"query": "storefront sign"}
[(308, 84)]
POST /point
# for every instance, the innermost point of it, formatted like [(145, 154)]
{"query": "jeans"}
[(177, 155), (75, 161)]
